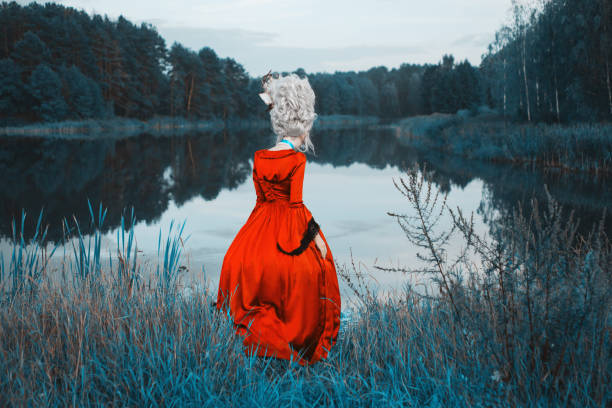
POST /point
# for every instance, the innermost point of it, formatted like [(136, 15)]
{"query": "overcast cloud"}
[(318, 35)]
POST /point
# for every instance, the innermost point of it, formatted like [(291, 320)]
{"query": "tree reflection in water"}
[(149, 172)]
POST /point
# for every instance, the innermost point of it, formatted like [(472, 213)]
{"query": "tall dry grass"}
[(110, 332)]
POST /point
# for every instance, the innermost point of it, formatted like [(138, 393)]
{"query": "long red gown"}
[(287, 306)]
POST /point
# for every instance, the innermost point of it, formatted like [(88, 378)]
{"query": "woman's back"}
[(283, 304), (278, 277), (276, 164)]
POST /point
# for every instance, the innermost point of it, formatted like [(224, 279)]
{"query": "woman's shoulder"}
[(278, 164), (277, 154)]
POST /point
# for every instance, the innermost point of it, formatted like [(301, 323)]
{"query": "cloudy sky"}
[(318, 35)]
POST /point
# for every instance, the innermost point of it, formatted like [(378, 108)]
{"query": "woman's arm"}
[(321, 245), (295, 199)]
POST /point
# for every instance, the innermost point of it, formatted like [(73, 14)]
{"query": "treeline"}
[(552, 63), (57, 63), (405, 91)]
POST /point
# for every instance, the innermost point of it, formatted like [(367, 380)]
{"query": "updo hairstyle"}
[(292, 112)]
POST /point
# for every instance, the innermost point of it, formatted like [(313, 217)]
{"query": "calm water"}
[(205, 180)]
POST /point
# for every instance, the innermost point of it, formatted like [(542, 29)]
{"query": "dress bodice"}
[(275, 190), (278, 175)]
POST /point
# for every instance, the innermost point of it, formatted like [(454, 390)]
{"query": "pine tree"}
[(29, 52), (12, 93), (46, 87)]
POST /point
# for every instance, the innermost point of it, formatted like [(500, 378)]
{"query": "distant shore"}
[(126, 127), (578, 147), (482, 135)]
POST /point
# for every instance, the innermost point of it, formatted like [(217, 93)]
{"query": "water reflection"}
[(145, 172), (206, 178)]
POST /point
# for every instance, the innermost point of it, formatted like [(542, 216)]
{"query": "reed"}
[(575, 147), (121, 335), (533, 299)]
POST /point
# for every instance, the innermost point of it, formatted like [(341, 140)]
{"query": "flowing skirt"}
[(287, 306)]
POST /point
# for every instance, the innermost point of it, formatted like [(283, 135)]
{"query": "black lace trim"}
[(309, 234)]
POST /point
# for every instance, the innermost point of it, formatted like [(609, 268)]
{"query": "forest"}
[(519, 317), (550, 63)]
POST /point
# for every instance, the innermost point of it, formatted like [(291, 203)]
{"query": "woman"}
[(278, 277)]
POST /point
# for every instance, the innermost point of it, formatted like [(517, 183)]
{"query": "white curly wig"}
[(292, 112)]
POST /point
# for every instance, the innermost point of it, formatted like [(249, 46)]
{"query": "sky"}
[(318, 35)]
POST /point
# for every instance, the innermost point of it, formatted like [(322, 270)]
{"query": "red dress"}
[(287, 306)]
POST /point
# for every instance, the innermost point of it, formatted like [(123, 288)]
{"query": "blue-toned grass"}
[(575, 147), (118, 337)]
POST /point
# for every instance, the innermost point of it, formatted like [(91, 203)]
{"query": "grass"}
[(101, 330), (577, 147)]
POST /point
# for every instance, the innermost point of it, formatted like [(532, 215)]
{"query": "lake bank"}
[(581, 147), (127, 127)]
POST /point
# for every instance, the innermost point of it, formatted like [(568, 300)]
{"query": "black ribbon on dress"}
[(309, 234)]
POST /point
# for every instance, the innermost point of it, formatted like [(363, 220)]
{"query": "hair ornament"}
[(265, 96)]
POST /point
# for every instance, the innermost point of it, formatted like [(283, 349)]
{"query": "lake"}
[(204, 179)]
